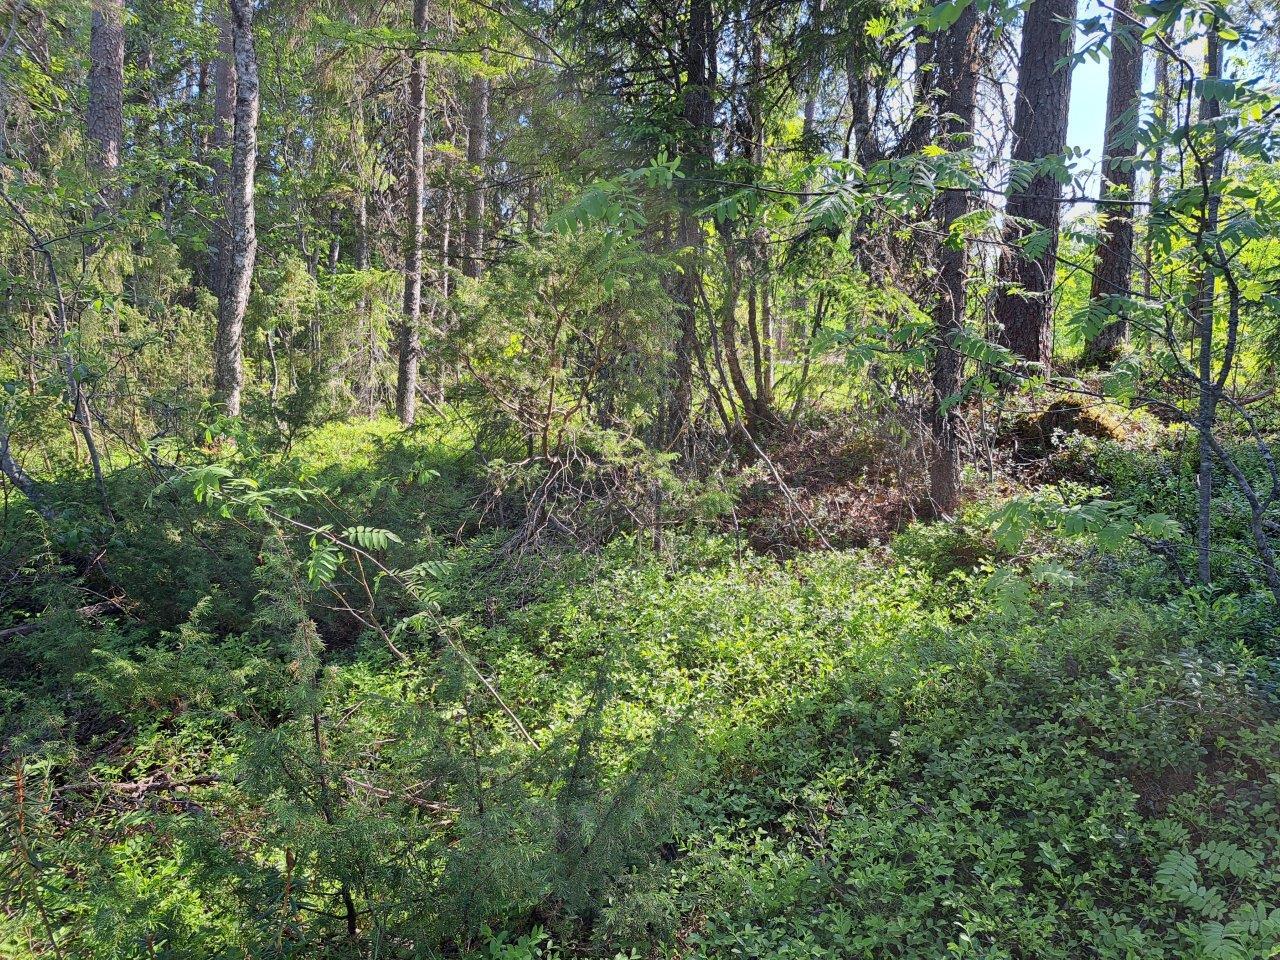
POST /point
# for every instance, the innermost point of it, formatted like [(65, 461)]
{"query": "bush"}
[(679, 748)]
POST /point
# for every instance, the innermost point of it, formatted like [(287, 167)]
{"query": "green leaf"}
[(370, 538), (323, 563), (944, 14)]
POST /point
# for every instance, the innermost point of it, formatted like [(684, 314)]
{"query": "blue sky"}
[(1087, 119), (1088, 116)]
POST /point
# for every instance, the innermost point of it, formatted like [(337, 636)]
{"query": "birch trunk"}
[(239, 255)]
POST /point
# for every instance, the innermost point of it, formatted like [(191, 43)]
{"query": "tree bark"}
[(368, 377), (812, 77), (759, 315), (958, 61), (1155, 190), (238, 258), (224, 119), (105, 121), (729, 328), (19, 477), (408, 340), (921, 126), (861, 85), (1024, 305), (698, 101), (1114, 264), (477, 152), (1210, 173)]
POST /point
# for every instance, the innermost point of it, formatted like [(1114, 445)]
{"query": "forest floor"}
[(917, 743)]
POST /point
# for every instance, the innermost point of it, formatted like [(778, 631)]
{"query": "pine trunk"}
[(1024, 306), (958, 62), (1114, 266)]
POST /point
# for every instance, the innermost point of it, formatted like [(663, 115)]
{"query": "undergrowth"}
[(676, 747)]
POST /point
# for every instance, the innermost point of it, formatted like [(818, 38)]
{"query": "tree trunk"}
[(224, 118), (1114, 266), (861, 83), (812, 79), (958, 62), (106, 100), (409, 342), (1156, 186), (918, 131), (729, 328), (238, 257), (477, 152), (367, 378), (33, 350), (1210, 172), (698, 96), (1024, 305), (448, 242), (19, 477), (81, 416), (759, 316)]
